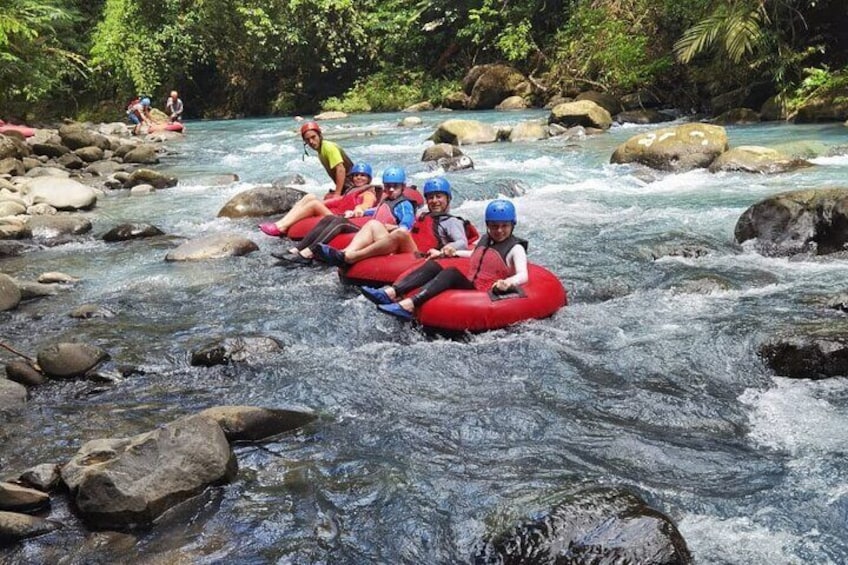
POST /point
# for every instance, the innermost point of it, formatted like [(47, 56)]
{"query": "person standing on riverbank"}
[(174, 107), (138, 113)]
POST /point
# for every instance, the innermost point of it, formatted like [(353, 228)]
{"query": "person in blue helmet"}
[(394, 212), (435, 232), (360, 196), (138, 114), (498, 263)]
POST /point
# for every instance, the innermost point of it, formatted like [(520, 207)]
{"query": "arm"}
[(518, 259), (405, 215)]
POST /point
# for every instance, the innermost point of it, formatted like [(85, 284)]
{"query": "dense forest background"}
[(230, 58)]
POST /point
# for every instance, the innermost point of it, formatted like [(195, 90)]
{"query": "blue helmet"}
[(394, 174), (437, 184), (500, 211), (364, 168), (145, 102)]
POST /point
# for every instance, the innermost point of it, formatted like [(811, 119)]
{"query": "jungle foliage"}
[(255, 57)]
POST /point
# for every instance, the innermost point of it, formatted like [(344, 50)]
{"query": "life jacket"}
[(131, 104), (426, 234), (488, 261), (349, 200), (385, 211)]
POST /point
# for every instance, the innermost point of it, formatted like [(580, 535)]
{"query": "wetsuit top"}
[(491, 261), (434, 231), (331, 155), (398, 211)]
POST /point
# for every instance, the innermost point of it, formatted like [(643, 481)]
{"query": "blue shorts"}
[(133, 119)]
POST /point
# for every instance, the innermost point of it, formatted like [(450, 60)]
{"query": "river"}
[(649, 379)]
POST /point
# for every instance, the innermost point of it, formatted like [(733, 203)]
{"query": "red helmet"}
[(309, 126)]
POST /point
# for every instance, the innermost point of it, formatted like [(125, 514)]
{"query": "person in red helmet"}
[(335, 160), (337, 164)]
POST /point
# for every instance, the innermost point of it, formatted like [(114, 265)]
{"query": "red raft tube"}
[(25, 131), (460, 311), (173, 126), (299, 229)]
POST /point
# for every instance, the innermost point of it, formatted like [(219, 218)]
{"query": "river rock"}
[(646, 116), (808, 357), (605, 100), (410, 122), (528, 131), (288, 179), (676, 149), (234, 349), (215, 246), (105, 168), (125, 482), (737, 116), (450, 164), (47, 172), (31, 290), (15, 527), (144, 154), (11, 208), (441, 151), (44, 477), (425, 106), (252, 423), (76, 136), (14, 228), (89, 154), (13, 148), (71, 161), (580, 113), (512, 103), (56, 277), (261, 201), (487, 85), (464, 132), (10, 294), (755, 159), (61, 193), (87, 311), (142, 189), (16, 498), (802, 221), (13, 167), (50, 227), (13, 396), (148, 176), (125, 232), (23, 373), (333, 115), (68, 359), (603, 526)]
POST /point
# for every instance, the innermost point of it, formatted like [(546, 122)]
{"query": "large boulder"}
[(148, 176), (215, 246), (640, 116), (755, 159), (11, 148), (828, 108), (802, 221), (441, 151), (145, 154), (17, 498), (61, 193), (124, 482), (580, 113), (261, 201), (488, 85), (50, 227), (676, 148), (464, 132), (528, 131), (76, 136), (603, 525), (605, 100)]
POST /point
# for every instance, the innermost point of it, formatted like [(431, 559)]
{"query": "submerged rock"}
[(598, 526), (126, 232), (233, 349), (252, 423), (808, 357), (215, 246), (261, 201)]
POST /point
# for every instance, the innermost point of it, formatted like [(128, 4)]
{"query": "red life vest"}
[(347, 201), (385, 212), (425, 231), (488, 261)]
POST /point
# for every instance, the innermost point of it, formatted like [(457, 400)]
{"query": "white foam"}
[(737, 540)]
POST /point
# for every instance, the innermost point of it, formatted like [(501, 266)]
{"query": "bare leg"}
[(368, 234), (398, 241), (306, 207)]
